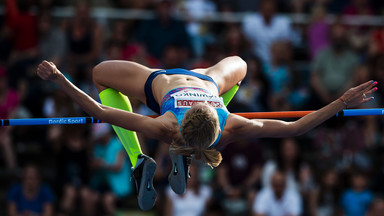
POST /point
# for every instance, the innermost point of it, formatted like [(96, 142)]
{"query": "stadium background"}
[(306, 56)]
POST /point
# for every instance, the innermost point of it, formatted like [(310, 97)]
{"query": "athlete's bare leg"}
[(227, 73), (124, 76)]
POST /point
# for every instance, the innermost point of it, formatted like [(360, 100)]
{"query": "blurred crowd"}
[(335, 169)]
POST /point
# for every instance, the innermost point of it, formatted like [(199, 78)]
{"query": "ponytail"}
[(211, 157)]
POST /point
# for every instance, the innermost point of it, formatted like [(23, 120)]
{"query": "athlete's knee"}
[(100, 70), (242, 64), (243, 68)]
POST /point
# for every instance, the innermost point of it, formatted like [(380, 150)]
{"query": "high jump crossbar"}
[(249, 115)]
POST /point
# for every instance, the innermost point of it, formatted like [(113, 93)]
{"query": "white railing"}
[(102, 13)]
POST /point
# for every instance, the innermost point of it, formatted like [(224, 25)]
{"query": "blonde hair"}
[(199, 129)]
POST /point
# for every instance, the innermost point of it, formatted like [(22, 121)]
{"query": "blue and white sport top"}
[(179, 100)]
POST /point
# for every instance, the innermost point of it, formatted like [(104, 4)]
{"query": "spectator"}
[(376, 208), (118, 33), (277, 200), (84, 39), (73, 172), (376, 64), (30, 197), (239, 176), (199, 32), (279, 76), (52, 44), (111, 179), (334, 67), (5, 44), (193, 202), (9, 102), (356, 200), (378, 176), (173, 57), (245, 5), (254, 92), (163, 31), (21, 21), (235, 43), (264, 29), (323, 200), (358, 7), (212, 55), (132, 50), (358, 35), (297, 174), (317, 31), (376, 42)]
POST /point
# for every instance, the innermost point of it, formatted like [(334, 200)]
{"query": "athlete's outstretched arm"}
[(243, 127), (128, 120)]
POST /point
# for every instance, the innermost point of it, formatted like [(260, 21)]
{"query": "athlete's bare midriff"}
[(163, 83)]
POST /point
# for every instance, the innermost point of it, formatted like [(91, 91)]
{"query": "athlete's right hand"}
[(48, 71)]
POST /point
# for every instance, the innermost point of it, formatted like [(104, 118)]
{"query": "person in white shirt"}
[(277, 200), (193, 202), (265, 28)]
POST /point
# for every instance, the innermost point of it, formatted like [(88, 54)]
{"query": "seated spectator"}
[(297, 173), (84, 39), (358, 7), (324, 199), (239, 176), (317, 31), (279, 76), (52, 44), (173, 57), (21, 21), (159, 33), (112, 174), (277, 200), (193, 202), (73, 173), (264, 29), (136, 52), (199, 32), (333, 68), (378, 176), (235, 43), (211, 56), (9, 102), (30, 197), (376, 208), (22, 24), (357, 199), (359, 35), (254, 92)]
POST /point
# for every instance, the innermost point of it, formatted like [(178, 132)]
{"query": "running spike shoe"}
[(143, 175), (180, 172)]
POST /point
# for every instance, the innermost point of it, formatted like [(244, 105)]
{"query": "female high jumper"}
[(194, 118)]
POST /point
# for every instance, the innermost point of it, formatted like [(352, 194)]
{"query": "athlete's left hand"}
[(359, 94)]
